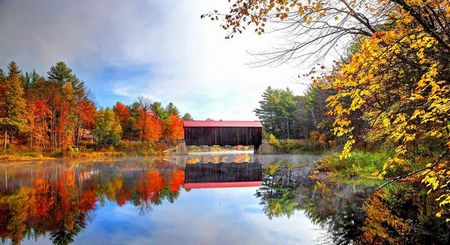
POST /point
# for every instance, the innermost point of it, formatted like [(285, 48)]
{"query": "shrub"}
[(272, 140)]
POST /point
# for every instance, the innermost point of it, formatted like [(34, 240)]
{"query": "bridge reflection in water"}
[(222, 175)]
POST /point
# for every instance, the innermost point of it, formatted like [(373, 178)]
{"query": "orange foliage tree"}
[(122, 113), (38, 112), (147, 122), (174, 129)]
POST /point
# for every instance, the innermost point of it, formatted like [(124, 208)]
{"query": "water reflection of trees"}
[(60, 203), (277, 191), (353, 214)]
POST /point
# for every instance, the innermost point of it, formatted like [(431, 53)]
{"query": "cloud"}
[(159, 49), (202, 216)]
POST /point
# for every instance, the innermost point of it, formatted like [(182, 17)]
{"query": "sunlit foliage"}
[(392, 88)]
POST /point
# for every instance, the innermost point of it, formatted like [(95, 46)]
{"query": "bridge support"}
[(264, 148), (179, 149)]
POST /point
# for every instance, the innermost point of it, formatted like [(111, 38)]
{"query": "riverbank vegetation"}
[(56, 116), (353, 213), (389, 90)]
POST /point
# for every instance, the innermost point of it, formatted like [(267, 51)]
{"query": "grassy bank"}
[(86, 151), (362, 167), (25, 156), (359, 164), (29, 156)]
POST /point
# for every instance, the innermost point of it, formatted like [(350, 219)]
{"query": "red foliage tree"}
[(38, 113), (122, 113), (149, 125), (174, 129)]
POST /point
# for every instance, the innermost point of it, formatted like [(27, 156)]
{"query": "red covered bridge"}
[(223, 133)]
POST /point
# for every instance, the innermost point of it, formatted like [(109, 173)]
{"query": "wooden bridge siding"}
[(223, 136), (223, 172)]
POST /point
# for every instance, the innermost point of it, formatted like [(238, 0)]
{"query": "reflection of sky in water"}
[(202, 216), (198, 216)]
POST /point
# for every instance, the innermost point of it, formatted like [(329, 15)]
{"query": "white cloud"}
[(181, 58)]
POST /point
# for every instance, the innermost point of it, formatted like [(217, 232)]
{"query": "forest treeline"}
[(57, 113), (286, 115), (390, 88)]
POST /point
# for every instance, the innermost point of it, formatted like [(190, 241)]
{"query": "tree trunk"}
[(5, 138), (31, 141), (287, 129), (77, 133)]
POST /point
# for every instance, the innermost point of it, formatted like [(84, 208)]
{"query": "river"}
[(224, 198)]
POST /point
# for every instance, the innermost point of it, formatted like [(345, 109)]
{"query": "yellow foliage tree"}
[(397, 80)]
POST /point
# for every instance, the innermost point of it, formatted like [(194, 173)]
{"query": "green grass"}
[(359, 164)]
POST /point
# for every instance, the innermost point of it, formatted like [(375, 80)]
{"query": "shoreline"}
[(37, 156)]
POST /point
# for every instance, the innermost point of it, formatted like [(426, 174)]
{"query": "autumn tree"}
[(107, 129), (122, 112), (38, 112), (70, 105), (147, 121), (13, 115), (174, 129), (124, 115), (397, 82), (82, 105), (84, 117)]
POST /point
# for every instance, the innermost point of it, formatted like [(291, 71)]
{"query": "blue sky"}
[(158, 49)]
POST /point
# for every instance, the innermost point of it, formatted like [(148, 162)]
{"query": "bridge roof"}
[(225, 124)]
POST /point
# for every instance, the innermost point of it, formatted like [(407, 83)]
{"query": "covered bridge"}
[(223, 133)]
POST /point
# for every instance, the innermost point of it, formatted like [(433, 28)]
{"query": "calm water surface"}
[(196, 199)]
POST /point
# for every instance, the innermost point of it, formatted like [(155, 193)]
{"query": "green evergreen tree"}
[(61, 73), (187, 117), (3, 76), (171, 109), (159, 110), (276, 111), (29, 79)]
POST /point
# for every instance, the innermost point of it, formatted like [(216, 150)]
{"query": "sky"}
[(159, 49)]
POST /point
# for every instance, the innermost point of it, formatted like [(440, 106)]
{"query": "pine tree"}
[(276, 111), (3, 76), (187, 117), (159, 110), (171, 109), (61, 73), (29, 79)]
